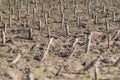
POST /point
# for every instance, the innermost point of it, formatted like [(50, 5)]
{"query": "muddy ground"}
[(100, 59)]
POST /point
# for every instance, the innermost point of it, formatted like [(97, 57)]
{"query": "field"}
[(59, 40)]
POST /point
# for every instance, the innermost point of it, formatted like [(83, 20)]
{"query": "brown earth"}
[(81, 66)]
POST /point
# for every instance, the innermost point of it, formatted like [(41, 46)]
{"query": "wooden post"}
[(46, 22), (95, 19), (39, 23), (28, 8), (104, 9), (116, 35), (9, 5), (88, 8), (89, 37), (19, 14), (62, 23), (43, 8), (34, 12), (78, 21), (0, 2), (15, 2), (75, 11), (71, 55), (108, 40), (10, 21), (48, 47), (96, 72), (48, 30), (49, 13), (3, 38), (76, 41), (73, 3), (30, 34), (107, 25), (1, 18), (5, 26), (113, 16), (12, 10), (67, 29), (93, 14)]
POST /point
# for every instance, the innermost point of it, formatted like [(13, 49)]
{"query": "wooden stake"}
[(28, 9), (48, 47), (39, 23), (89, 36), (71, 55), (76, 40), (0, 18), (75, 12), (116, 35), (62, 23), (67, 29), (95, 19), (10, 21), (3, 38), (16, 59), (88, 8), (34, 12), (5, 26), (19, 14), (48, 32), (46, 22), (107, 25), (30, 34), (96, 72), (113, 16)]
